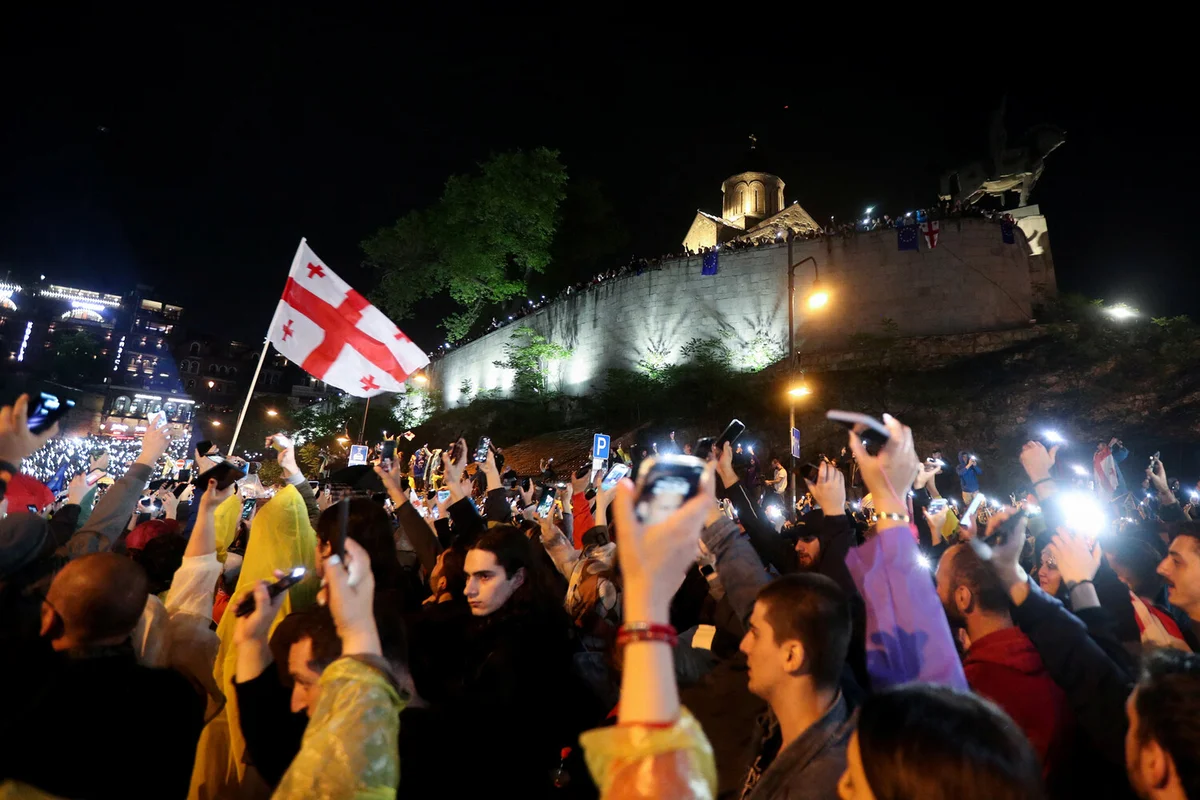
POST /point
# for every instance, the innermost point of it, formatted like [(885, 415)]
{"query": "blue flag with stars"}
[(906, 238), (710, 263)]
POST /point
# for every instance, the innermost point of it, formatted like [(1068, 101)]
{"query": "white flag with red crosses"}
[(337, 336)]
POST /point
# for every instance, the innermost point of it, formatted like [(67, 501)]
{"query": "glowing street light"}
[(800, 391), (272, 412), (869, 209), (216, 423), (420, 378), (1121, 312), (818, 299)]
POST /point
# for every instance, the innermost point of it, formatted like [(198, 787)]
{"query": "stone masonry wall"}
[(971, 283)]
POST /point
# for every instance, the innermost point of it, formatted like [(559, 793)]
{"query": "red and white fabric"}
[(1104, 467), (931, 230), (337, 336)]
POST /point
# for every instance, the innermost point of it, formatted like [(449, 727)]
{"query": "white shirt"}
[(781, 478)]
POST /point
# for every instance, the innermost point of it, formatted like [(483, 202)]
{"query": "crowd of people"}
[(469, 631), (66, 455)]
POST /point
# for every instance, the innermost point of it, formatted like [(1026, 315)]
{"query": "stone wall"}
[(972, 282)]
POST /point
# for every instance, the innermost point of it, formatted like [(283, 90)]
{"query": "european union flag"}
[(906, 238), (1006, 231), (710, 263)]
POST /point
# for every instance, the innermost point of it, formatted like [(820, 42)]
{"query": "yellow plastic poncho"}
[(350, 747), (226, 519), (281, 537), (638, 761)]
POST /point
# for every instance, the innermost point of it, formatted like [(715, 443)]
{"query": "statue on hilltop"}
[(1008, 170)]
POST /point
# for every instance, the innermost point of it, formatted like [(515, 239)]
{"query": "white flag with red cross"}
[(931, 230), (337, 336)]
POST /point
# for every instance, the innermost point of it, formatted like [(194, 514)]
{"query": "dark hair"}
[(812, 609), (368, 524), (513, 552), (314, 623), (109, 601), (936, 743), (454, 570), (968, 569), (1190, 528), (1140, 559), (161, 557), (1168, 709)]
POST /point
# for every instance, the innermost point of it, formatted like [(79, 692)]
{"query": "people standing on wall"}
[(968, 475), (777, 483)]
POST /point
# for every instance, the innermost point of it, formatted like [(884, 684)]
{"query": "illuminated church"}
[(753, 209)]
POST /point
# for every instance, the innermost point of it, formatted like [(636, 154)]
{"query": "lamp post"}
[(817, 299)]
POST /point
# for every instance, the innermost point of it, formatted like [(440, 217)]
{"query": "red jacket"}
[(1005, 668)]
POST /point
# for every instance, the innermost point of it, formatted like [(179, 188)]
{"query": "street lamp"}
[(800, 391), (816, 301), (216, 423), (211, 384), (420, 378), (272, 412)]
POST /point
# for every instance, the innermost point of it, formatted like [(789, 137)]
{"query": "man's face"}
[(766, 659), (306, 689), (1181, 569), (1145, 764), (808, 550), (488, 587)]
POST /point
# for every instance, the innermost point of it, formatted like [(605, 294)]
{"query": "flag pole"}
[(362, 432), (261, 358)]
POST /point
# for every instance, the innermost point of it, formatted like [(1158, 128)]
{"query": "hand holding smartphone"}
[(247, 606), (664, 484), (874, 434), (45, 409)]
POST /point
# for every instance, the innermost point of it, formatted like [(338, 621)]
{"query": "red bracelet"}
[(647, 632)]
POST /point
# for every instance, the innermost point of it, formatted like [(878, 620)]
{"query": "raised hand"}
[(655, 558), (287, 462), (1158, 479), (829, 490), (1005, 557), (394, 481), (16, 440), (213, 496), (454, 469), (170, 503), (579, 484), (256, 625), (724, 459), (1037, 460), (889, 474), (351, 600), (154, 445), (77, 489), (1077, 560)]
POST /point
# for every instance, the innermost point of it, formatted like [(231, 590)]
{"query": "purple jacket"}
[(908, 638)]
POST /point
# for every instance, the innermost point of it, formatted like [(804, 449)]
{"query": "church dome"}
[(750, 197)]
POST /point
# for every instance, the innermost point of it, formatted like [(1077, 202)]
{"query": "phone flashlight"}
[(924, 562), (1194, 496), (1079, 470), (1053, 437), (773, 512)]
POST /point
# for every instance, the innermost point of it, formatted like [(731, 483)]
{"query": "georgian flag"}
[(1104, 469), (931, 230), (335, 335)]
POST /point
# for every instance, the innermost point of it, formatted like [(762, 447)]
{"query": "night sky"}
[(192, 154)]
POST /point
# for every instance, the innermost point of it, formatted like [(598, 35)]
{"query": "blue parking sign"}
[(600, 445), (358, 455), (795, 442)]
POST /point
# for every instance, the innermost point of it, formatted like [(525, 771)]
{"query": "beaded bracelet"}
[(647, 632), (893, 516)]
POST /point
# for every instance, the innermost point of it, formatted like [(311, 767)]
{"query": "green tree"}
[(76, 358), (480, 243), (529, 355)]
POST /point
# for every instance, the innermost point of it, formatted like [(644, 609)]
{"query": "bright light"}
[(1079, 470), (799, 391), (908, 213), (866, 221), (342, 440), (216, 423), (211, 384), (773, 512), (818, 299), (924, 562), (1121, 312), (272, 412), (1194, 495), (1053, 437), (1082, 513), (869, 209), (420, 378)]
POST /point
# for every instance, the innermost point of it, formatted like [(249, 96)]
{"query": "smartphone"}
[(938, 504), (443, 495), (664, 484), (810, 472), (731, 433), (1154, 460), (971, 509), (224, 472), (547, 501), (247, 605), (315, 486), (872, 432), (248, 507), (1005, 529), (614, 476), (94, 476), (456, 452), (481, 450), (280, 442), (45, 409)]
